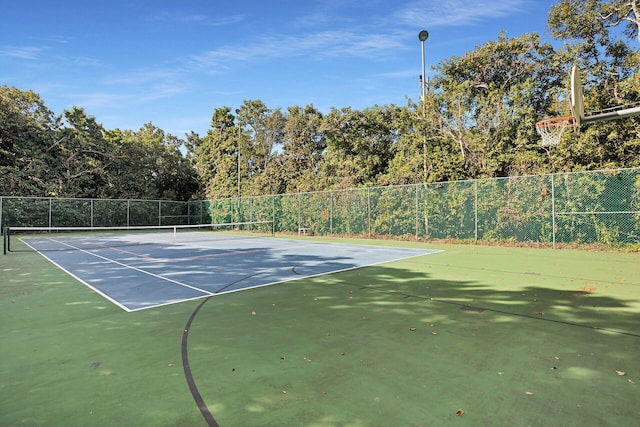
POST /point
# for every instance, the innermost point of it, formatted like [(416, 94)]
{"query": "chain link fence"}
[(61, 212), (600, 207)]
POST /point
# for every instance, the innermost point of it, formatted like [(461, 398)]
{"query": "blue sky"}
[(130, 62)]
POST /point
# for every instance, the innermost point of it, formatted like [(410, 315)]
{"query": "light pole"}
[(424, 84), (238, 156), (424, 81)]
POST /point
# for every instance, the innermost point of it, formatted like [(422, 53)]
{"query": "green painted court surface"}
[(502, 336)]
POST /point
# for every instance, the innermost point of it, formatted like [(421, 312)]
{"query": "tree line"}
[(477, 121)]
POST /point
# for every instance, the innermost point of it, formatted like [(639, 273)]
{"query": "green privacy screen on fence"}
[(601, 207)]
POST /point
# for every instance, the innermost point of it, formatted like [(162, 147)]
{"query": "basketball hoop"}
[(551, 129)]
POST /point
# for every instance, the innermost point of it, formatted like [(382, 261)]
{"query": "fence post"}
[(475, 208), (273, 215), (299, 214), (369, 210), (331, 214), (417, 189), (553, 212)]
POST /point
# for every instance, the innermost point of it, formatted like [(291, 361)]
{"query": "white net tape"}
[(551, 130)]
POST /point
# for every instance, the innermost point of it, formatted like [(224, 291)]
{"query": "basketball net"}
[(551, 129)]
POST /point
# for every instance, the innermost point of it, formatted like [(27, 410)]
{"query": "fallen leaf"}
[(169, 364), (434, 333), (459, 413), (621, 373), (412, 329), (253, 313), (528, 393), (284, 391)]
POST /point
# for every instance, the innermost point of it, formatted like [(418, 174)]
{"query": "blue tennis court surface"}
[(138, 272)]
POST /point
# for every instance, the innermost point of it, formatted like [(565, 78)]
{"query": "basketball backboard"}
[(577, 97)]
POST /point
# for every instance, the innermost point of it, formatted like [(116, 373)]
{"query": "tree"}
[(488, 101), (216, 155), (303, 148), (261, 131), (359, 145), (85, 157), (591, 20), (150, 165), (27, 144), (420, 154)]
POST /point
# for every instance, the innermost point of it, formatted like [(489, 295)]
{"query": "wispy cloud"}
[(371, 38), (402, 74), (457, 12), (225, 20), (140, 77), (161, 90), (101, 99), (55, 39), (316, 46), (22, 52), (176, 17), (144, 95), (86, 62), (147, 87), (185, 18), (43, 57)]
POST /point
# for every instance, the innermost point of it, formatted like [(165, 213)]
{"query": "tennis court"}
[(355, 333), (138, 271)]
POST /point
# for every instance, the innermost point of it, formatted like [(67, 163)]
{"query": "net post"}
[(5, 241)]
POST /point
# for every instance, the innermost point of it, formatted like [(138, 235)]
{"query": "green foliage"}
[(487, 102), (28, 143), (303, 147), (393, 210), (74, 156)]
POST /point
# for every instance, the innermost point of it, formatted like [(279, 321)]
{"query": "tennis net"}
[(78, 238)]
